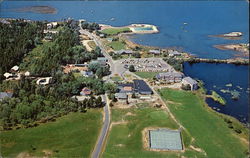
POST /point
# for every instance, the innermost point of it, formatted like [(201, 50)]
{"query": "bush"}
[(111, 104), (136, 55), (186, 87), (133, 95), (230, 126), (238, 131), (131, 68)]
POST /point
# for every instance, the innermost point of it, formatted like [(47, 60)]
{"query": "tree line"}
[(17, 39), (32, 103)]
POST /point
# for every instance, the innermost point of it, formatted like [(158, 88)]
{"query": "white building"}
[(189, 81)]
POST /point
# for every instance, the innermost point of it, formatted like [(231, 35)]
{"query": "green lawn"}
[(115, 31), (73, 135), (208, 128), (117, 45), (116, 78), (148, 75), (125, 140)]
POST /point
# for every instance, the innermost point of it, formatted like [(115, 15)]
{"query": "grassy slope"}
[(73, 135), (209, 130), (125, 140), (117, 45), (115, 31), (146, 74)]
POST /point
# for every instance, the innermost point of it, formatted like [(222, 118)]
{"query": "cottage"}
[(170, 77), (5, 95), (121, 96), (123, 51), (86, 91), (174, 53), (27, 73), (87, 73), (14, 68), (141, 87), (102, 35), (8, 75), (189, 81), (52, 25), (109, 39), (102, 60), (155, 51), (44, 81)]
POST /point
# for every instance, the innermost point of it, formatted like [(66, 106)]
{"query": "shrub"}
[(186, 87), (238, 131), (111, 104), (131, 68)]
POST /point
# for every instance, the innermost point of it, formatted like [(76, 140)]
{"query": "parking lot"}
[(147, 64)]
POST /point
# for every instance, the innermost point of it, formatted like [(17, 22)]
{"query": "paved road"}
[(101, 139)]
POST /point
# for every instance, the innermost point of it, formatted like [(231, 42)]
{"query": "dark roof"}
[(141, 86), (5, 94)]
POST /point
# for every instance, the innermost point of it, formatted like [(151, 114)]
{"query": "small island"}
[(37, 9), (217, 98), (231, 35), (241, 47)]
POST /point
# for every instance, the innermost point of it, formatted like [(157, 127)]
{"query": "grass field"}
[(125, 140), (73, 135), (209, 130), (148, 75), (115, 31), (117, 45), (116, 78)]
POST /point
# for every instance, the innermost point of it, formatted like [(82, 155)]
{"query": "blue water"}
[(203, 18), (215, 77)]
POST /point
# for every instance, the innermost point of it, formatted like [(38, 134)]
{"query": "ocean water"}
[(203, 18)]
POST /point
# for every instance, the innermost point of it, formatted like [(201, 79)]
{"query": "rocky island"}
[(231, 35), (37, 9), (241, 47)]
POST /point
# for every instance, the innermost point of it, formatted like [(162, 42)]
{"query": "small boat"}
[(185, 23), (112, 19)]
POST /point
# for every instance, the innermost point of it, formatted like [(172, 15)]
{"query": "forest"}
[(17, 39), (32, 104)]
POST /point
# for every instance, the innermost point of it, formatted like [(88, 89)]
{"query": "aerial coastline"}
[(97, 92)]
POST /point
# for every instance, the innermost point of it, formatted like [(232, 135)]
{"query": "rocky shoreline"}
[(242, 48)]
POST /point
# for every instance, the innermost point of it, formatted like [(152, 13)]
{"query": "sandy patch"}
[(120, 145), (130, 114), (85, 43), (26, 155)]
